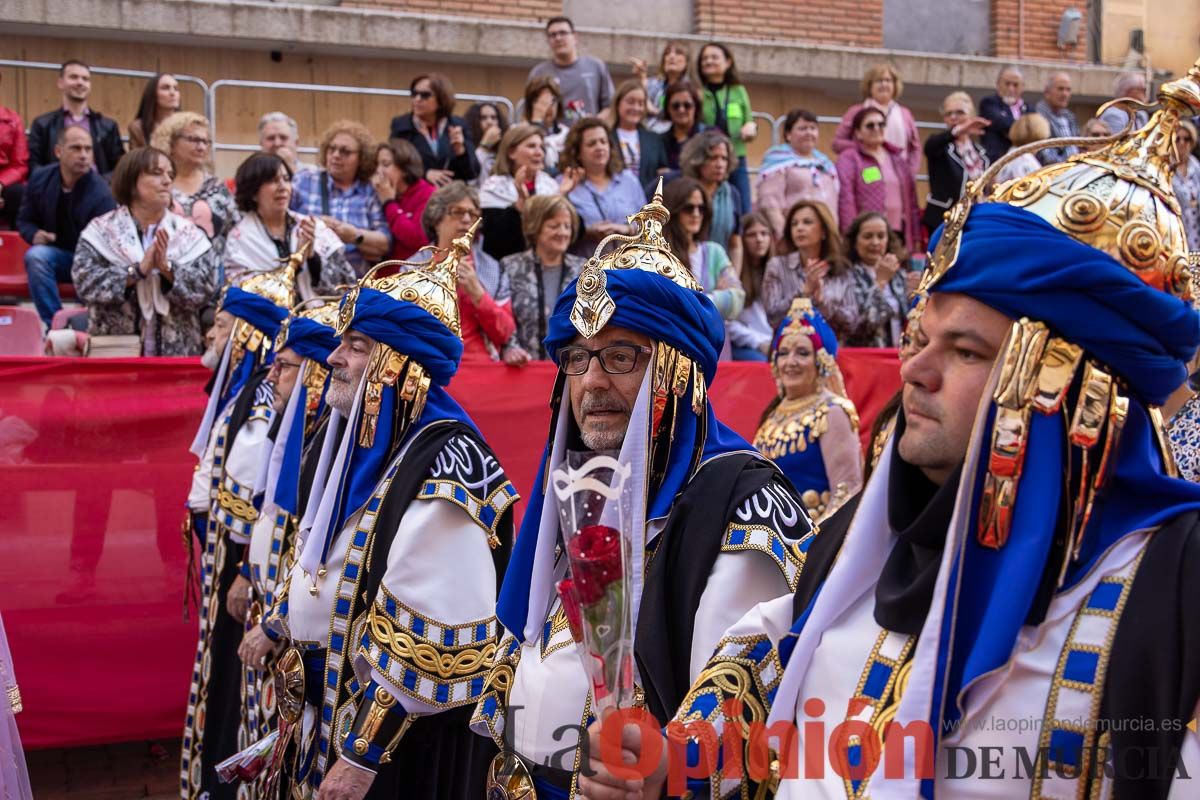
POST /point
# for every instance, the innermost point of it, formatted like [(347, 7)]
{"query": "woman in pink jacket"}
[(881, 89), (873, 176)]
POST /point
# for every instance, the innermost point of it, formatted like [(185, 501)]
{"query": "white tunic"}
[(236, 492)]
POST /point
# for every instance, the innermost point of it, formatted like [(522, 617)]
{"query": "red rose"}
[(570, 604), (595, 555)]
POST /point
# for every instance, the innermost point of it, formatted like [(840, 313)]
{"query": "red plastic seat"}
[(13, 281), (20, 332)]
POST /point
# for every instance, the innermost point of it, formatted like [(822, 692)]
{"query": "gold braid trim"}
[(401, 645), (242, 509)]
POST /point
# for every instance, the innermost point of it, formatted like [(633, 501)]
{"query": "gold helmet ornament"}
[(647, 249), (431, 285), (277, 286)]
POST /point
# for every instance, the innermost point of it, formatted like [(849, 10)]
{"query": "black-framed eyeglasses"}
[(682, 106), (873, 126), (693, 208), (423, 94), (616, 359), (278, 365)]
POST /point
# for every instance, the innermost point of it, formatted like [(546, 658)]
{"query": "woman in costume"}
[(14, 777), (810, 429)]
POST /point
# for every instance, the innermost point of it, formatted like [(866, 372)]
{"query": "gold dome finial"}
[(1117, 198), (279, 285), (432, 285), (647, 249)]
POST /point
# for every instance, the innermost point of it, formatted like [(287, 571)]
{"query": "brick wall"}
[(844, 22), (1041, 20), (535, 10)]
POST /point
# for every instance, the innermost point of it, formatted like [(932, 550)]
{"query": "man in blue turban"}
[(389, 610), (1012, 597), (222, 513), (299, 377), (712, 526)]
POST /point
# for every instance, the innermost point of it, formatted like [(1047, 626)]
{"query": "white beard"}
[(211, 359)]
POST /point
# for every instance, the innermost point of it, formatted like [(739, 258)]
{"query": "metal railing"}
[(209, 93), (370, 91), (126, 73)]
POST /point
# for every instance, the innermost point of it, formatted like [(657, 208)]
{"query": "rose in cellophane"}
[(596, 594), (248, 764)]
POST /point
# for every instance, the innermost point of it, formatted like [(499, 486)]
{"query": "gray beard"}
[(211, 359)]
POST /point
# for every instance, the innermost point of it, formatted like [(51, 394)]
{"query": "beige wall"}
[(1172, 31), (32, 92)]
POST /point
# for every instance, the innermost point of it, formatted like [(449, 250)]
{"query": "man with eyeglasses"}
[(637, 344), (75, 83), (223, 513), (390, 606), (584, 81)]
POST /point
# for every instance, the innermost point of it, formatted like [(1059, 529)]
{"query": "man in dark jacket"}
[(1002, 109), (60, 200), (75, 83)]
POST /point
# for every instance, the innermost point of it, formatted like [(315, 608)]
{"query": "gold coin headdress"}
[(276, 285), (431, 285)]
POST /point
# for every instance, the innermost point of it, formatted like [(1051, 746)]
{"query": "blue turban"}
[(1022, 266), (311, 339), (656, 306), (255, 309), (260, 313), (410, 330)]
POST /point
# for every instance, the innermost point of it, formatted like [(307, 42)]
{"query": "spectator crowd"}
[(150, 236)]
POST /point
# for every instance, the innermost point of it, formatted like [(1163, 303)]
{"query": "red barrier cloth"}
[(95, 470)]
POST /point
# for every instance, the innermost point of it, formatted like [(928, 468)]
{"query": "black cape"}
[(680, 567)]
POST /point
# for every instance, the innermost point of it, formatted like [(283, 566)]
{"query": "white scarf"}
[(115, 237), (500, 191), (250, 248), (323, 496)]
